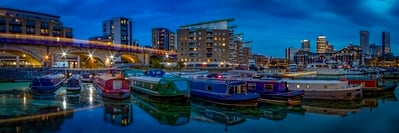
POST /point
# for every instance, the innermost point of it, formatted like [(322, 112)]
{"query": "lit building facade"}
[(386, 48), (32, 23), (321, 44), (351, 55), (117, 31), (305, 45), (290, 53), (364, 41), (207, 43), (163, 39)]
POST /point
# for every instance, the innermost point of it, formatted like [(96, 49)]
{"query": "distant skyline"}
[(272, 25)]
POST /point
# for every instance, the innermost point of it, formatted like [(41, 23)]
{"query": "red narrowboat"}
[(112, 85)]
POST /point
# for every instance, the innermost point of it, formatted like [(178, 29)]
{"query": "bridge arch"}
[(28, 56)]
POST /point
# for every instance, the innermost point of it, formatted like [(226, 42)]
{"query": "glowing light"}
[(23, 55), (98, 43), (64, 104), (63, 54), (90, 55)]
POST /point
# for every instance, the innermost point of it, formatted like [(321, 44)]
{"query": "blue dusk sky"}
[(272, 25)]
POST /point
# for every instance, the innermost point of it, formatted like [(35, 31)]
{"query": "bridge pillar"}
[(17, 62), (78, 65)]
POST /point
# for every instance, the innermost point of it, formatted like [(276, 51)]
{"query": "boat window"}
[(251, 86), (231, 90), (308, 86), (325, 86), (151, 86), (298, 86), (243, 89), (181, 85), (208, 88), (117, 84), (268, 87)]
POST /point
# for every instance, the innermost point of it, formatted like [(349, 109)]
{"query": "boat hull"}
[(114, 94), (326, 90), (289, 98), (227, 100)]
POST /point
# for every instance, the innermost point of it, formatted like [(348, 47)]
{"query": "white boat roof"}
[(315, 81), (146, 78)]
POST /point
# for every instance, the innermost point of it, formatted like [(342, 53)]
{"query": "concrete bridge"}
[(44, 51)]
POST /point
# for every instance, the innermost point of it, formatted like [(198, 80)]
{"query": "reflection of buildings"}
[(47, 119), (166, 113), (118, 112)]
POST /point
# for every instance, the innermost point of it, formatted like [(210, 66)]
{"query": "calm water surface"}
[(85, 111)]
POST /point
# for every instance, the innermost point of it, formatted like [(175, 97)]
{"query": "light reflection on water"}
[(86, 111)]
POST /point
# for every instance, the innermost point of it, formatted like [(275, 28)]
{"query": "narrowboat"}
[(372, 87), (274, 91), (161, 88), (326, 89), (229, 93), (86, 77), (73, 83), (112, 85), (174, 114), (47, 83)]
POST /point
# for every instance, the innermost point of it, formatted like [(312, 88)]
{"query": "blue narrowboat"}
[(273, 91), (229, 93), (47, 83)]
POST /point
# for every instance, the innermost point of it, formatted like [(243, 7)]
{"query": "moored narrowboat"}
[(73, 83), (274, 91), (372, 87), (112, 85), (161, 88), (229, 93), (326, 89), (47, 83)]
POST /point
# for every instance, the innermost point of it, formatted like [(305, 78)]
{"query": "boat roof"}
[(315, 81)]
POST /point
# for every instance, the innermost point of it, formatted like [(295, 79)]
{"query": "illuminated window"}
[(308, 86), (251, 86), (268, 87), (298, 86), (223, 44)]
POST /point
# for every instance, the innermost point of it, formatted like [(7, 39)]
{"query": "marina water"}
[(86, 111)]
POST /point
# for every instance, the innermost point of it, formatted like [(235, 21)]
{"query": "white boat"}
[(326, 89), (355, 71), (324, 69), (292, 68)]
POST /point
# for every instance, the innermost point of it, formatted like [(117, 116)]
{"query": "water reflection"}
[(332, 107), (212, 113), (373, 102), (279, 112), (118, 112), (20, 113), (165, 113)]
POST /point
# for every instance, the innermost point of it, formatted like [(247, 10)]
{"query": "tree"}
[(156, 63), (180, 65)]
